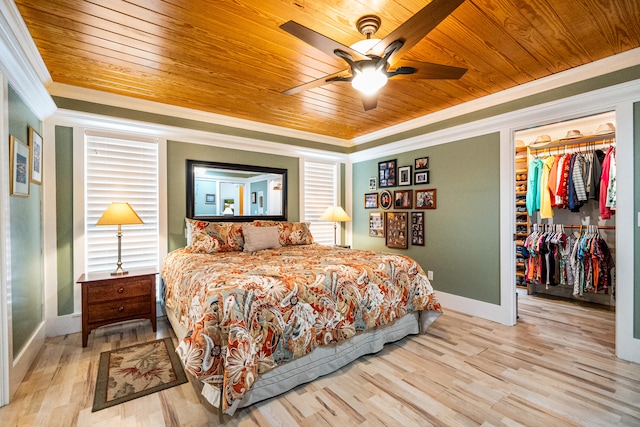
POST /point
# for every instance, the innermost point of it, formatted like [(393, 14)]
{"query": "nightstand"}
[(110, 299)]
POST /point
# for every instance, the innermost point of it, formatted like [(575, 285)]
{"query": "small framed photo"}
[(396, 230), (426, 199), (417, 228), (254, 197), (19, 167), (387, 174), (35, 153), (371, 201), (210, 199), (373, 184), (385, 199), (376, 224), (404, 175), (403, 199), (421, 177), (421, 163)]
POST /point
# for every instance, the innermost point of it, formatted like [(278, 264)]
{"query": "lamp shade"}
[(119, 214), (335, 214)]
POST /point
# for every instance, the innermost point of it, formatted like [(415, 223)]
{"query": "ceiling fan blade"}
[(369, 102), (416, 28), (319, 41), (425, 70), (343, 75)]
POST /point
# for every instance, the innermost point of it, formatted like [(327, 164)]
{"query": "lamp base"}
[(119, 272)]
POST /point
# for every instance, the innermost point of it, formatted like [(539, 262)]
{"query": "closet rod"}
[(600, 227), (581, 145)]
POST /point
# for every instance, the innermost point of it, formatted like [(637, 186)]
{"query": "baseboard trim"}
[(22, 362), (484, 310)]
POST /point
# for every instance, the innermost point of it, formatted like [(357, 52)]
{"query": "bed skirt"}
[(321, 361)]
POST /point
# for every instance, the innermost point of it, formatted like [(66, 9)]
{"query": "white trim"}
[(22, 63), (50, 247), (23, 361), (5, 251), (601, 67), (113, 124), (585, 104), (507, 228), (627, 347), (103, 98), (79, 241), (472, 307)]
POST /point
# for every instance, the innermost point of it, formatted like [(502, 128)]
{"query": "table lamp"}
[(119, 214), (335, 214)]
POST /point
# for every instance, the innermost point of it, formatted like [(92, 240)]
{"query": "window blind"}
[(320, 192), (121, 170)]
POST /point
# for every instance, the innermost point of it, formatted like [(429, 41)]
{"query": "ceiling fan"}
[(372, 61)]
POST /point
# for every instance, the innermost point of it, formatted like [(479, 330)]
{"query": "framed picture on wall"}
[(373, 186), (396, 230), (19, 167), (387, 173), (404, 175), (371, 201), (386, 201), (403, 199), (210, 199), (254, 197), (376, 224), (35, 152), (426, 199), (417, 228), (421, 163), (422, 177)]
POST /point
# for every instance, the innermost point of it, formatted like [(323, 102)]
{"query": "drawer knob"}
[(121, 290), (121, 309)]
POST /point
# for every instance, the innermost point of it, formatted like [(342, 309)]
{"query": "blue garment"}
[(533, 183)]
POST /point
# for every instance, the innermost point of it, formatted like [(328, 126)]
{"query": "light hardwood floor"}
[(555, 368)]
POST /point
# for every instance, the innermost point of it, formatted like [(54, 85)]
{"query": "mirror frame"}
[(192, 164)]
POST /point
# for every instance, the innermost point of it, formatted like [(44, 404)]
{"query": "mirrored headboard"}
[(232, 192)]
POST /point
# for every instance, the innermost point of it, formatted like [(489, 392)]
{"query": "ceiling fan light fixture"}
[(369, 80)]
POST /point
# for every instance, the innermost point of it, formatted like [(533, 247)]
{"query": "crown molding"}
[(585, 104), (21, 62), (121, 101), (134, 128), (593, 69)]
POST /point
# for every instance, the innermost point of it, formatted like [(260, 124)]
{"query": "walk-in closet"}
[(565, 176)]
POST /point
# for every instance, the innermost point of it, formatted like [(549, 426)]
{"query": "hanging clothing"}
[(611, 188), (533, 180), (605, 211), (546, 211)]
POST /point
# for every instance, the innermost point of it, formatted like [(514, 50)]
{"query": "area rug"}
[(131, 372)]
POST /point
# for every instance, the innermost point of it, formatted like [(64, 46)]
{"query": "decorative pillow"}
[(291, 233), (258, 238), (211, 237)]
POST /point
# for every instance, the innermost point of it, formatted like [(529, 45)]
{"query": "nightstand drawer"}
[(118, 309), (133, 287)]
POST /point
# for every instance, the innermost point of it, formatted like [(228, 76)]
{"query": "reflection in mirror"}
[(231, 192)]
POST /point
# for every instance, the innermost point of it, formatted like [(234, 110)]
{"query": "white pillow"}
[(258, 238)]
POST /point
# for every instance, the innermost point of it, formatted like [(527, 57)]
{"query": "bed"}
[(260, 308)]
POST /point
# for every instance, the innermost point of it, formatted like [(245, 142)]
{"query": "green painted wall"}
[(26, 239), (64, 218), (462, 234), (636, 196), (179, 152)]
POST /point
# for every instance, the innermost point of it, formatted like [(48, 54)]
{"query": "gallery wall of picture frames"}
[(398, 227)]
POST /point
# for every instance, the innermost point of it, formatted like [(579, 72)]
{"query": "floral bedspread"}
[(247, 313)]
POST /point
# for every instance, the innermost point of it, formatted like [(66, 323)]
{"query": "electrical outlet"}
[(430, 275)]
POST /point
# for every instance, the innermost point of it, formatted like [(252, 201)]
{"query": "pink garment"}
[(605, 212)]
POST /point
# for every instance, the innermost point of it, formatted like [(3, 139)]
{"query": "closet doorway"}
[(565, 184)]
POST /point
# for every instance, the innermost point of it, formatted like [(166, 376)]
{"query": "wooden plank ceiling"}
[(230, 57)]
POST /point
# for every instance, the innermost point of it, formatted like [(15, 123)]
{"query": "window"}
[(320, 190), (121, 170)]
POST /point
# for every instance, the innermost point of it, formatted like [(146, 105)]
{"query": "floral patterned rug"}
[(136, 371)]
